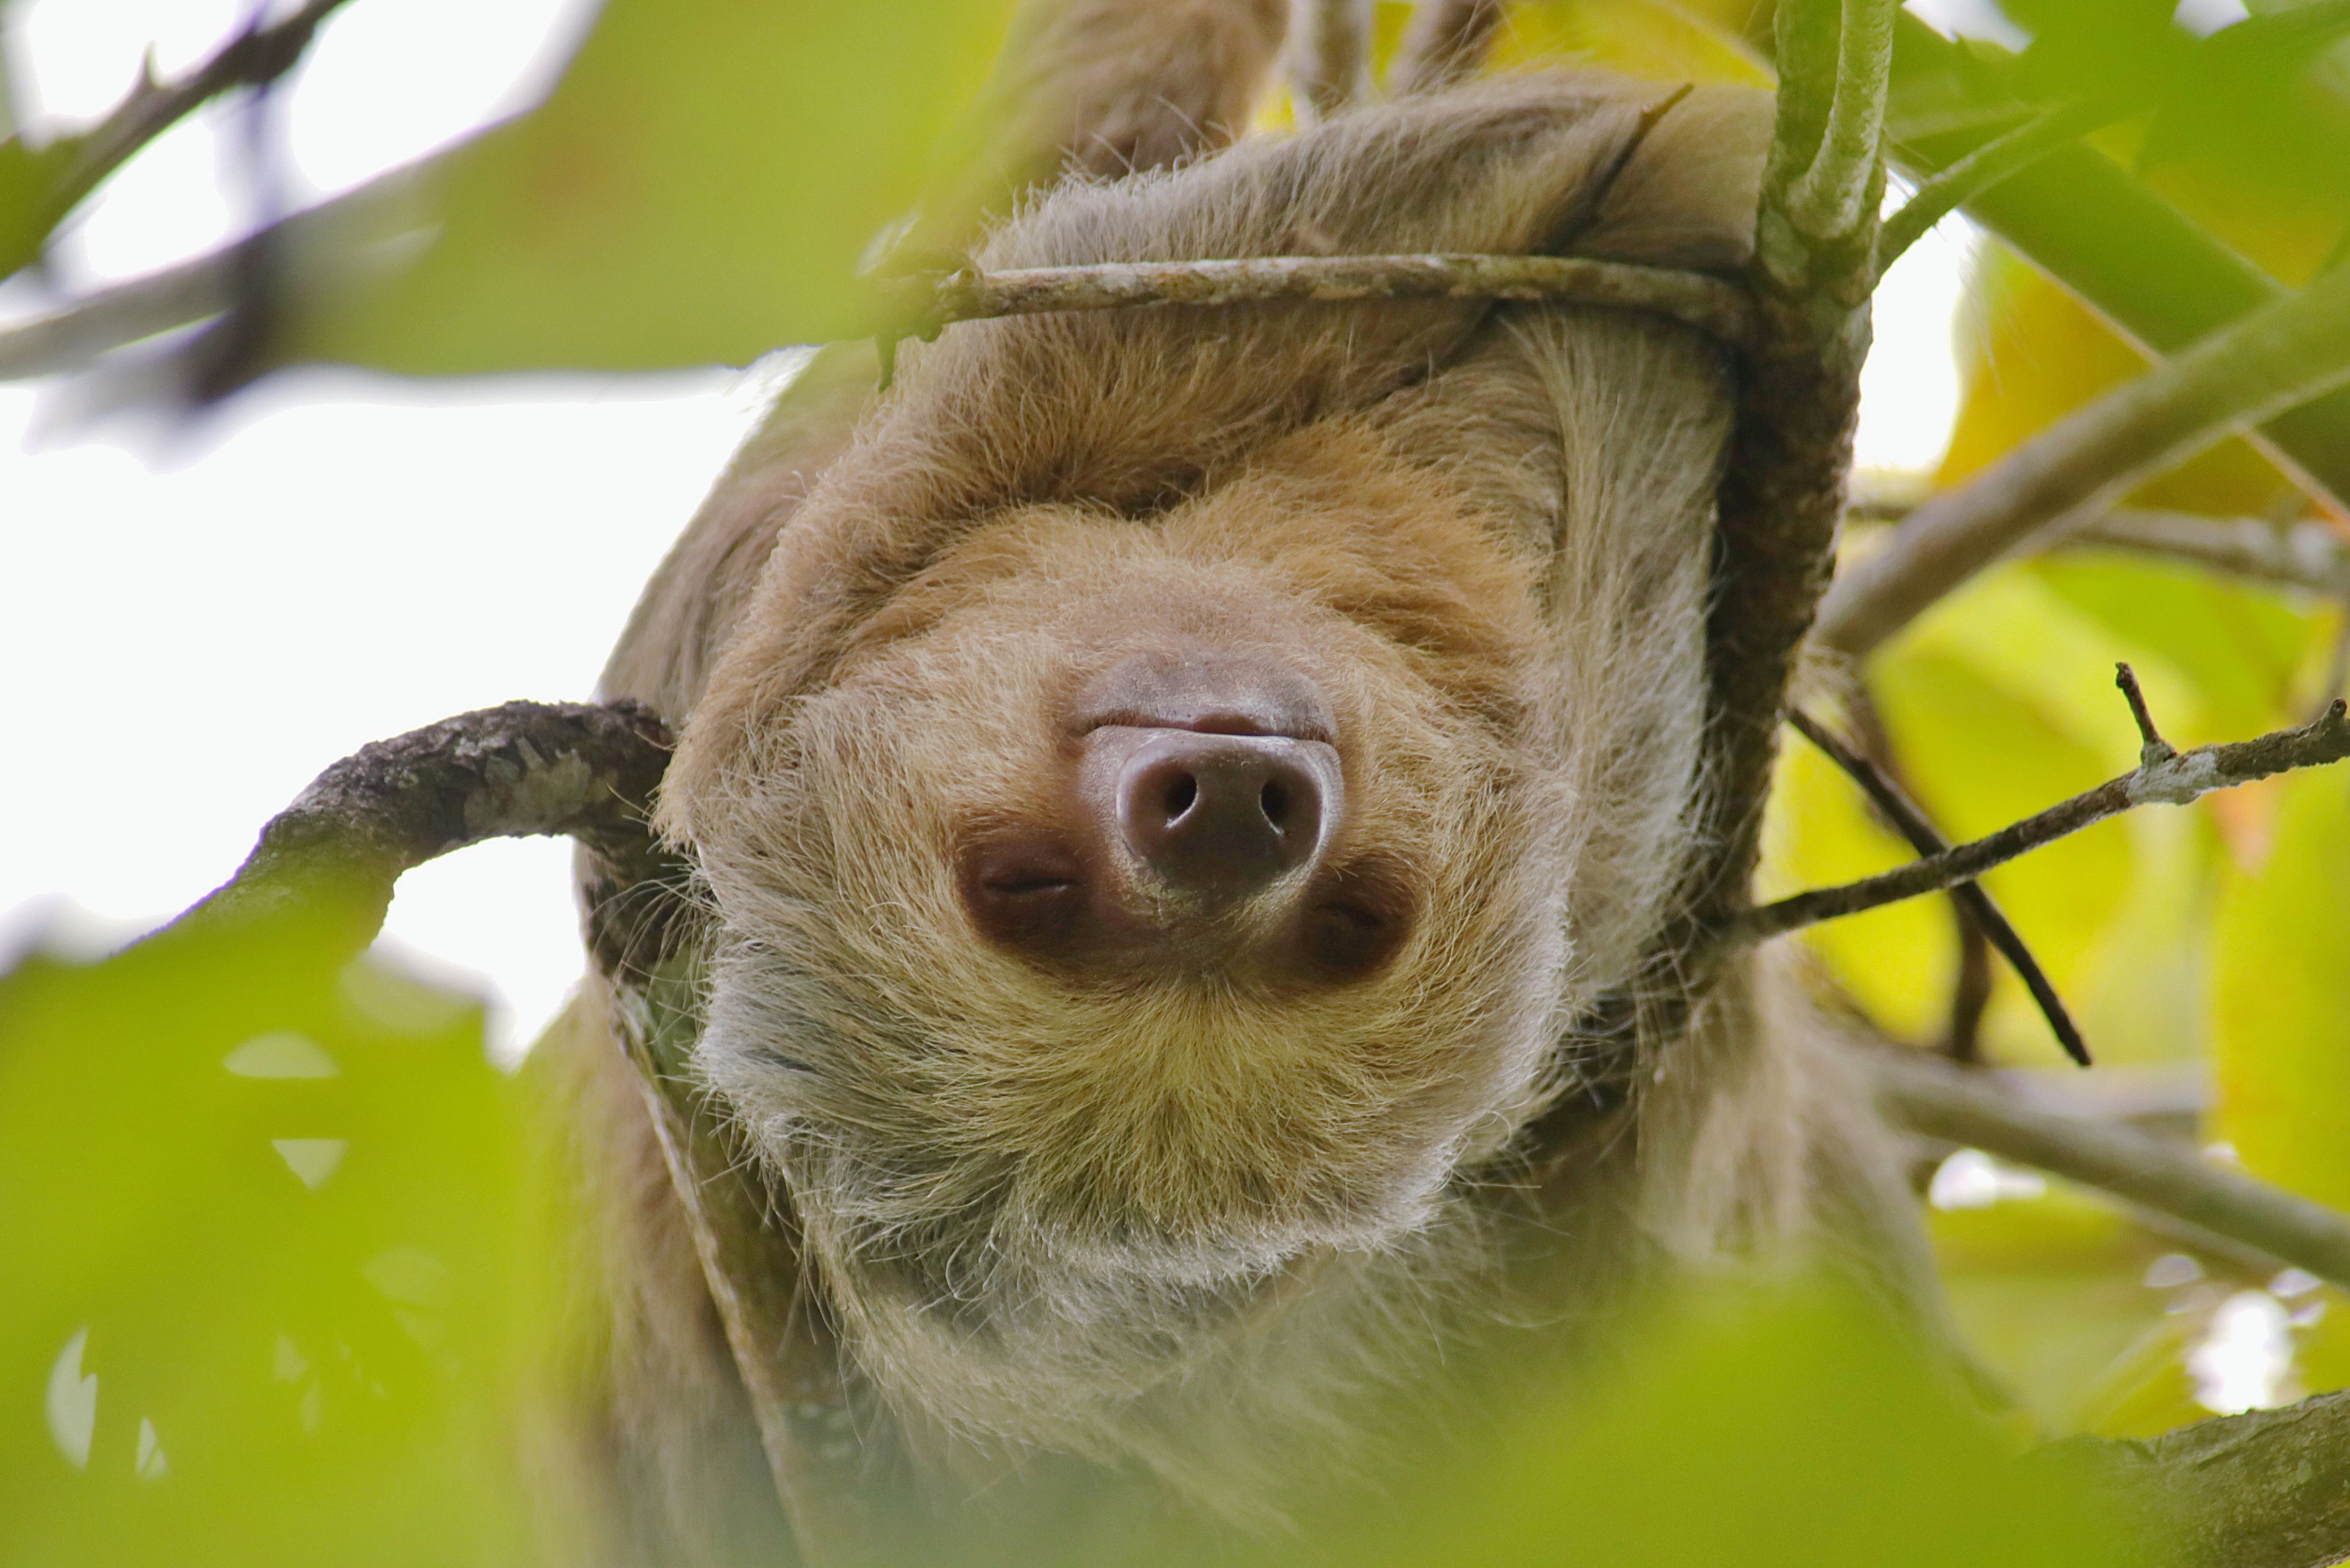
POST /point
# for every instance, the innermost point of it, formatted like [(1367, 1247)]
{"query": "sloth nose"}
[(1224, 815)]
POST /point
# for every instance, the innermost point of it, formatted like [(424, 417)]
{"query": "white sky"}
[(202, 621)]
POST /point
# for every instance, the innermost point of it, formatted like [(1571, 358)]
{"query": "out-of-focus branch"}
[(1976, 1109), (2282, 355), (2163, 776), (500, 773), (1985, 915), (2312, 556), (1446, 43), (254, 57), (1697, 300), (319, 237), (1330, 54)]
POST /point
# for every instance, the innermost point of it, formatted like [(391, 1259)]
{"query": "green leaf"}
[(267, 1280), (700, 188), (2280, 1001)]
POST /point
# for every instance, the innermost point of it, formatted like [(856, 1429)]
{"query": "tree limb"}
[(1846, 171), (2312, 556), (498, 772), (2282, 355), (2263, 1489), (1330, 55), (1446, 43), (1976, 1110), (2163, 776), (1697, 300), (1975, 903)]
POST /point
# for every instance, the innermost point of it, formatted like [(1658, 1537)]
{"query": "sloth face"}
[(1147, 900)]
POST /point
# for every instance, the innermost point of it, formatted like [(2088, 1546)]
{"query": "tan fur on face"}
[(991, 1153)]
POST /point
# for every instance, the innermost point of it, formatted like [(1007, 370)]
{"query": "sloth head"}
[(1140, 908)]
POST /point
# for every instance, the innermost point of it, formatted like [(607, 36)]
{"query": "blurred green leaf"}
[(2281, 999), (1759, 1427), (267, 1276), (699, 189), (28, 179)]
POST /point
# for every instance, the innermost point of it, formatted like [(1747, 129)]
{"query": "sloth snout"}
[(1223, 815)]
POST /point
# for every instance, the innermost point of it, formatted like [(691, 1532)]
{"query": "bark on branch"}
[(2282, 355), (498, 772), (2163, 776), (2263, 1490)]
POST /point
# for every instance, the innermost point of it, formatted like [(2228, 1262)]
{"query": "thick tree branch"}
[(1976, 904), (1330, 55), (2163, 776), (256, 56), (2282, 355), (499, 772), (2263, 1490), (1446, 43), (1708, 303), (1975, 1109)]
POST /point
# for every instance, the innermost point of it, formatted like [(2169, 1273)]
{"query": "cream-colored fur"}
[(1207, 1224)]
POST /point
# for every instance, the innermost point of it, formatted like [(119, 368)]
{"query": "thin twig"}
[(2280, 354), (1943, 192), (253, 58), (1697, 300), (1330, 55), (2172, 779), (1971, 1108), (1446, 43), (1977, 906)]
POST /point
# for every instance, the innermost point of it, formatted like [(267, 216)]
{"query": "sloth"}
[(1171, 791)]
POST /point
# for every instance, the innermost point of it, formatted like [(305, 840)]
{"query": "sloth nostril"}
[(1182, 792), (1273, 801)]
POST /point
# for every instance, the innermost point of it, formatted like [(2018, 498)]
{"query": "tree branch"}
[(1446, 43), (2312, 556), (1975, 1109), (1330, 55), (499, 772), (2282, 355), (254, 57), (1697, 300), (2163, 776), (1976, 904), (2263, 1489)]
